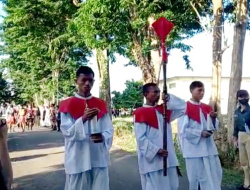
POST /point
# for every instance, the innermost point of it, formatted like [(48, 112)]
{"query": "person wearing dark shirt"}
[(242, 134)]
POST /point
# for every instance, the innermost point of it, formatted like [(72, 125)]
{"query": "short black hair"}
[(242, 93), (84, 70), (195, 84), (146, 87)]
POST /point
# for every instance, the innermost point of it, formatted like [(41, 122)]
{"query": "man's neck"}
[(84, 94), (242, 108), (195, 100), (150, 103)]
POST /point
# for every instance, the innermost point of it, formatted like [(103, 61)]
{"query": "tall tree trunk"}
[(148, 72), (155, 53), (217, 57), (36, 99), (237, 59), (215, 101), (104, 84), (156, 61), (55, 75)]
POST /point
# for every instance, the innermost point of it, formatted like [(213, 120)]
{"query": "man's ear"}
[(75, 81)]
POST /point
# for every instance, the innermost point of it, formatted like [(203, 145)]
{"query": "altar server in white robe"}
[(148, 126), (88, 134), (197, 144)]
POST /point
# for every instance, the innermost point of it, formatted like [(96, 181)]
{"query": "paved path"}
[(37, 159)]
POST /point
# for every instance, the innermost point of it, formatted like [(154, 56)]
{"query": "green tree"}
[(131, 97), (122, 26), (102, 25), (141, 13), (117, 100), (41, 59), (5, 90)]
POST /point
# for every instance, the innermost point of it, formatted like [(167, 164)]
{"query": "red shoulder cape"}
[(193, 111), (76, 106), (148, 115)]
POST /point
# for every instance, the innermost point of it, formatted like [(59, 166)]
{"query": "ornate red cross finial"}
[(162, 28)]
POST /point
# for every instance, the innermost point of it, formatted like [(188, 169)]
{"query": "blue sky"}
[(200, 56)]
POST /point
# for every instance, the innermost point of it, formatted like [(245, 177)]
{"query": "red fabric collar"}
[(148, 115), (193, 111), (76, 106)]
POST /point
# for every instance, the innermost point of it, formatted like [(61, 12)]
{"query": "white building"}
[(179, 86)]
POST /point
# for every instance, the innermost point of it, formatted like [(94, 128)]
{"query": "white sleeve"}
[(190, 132), (73, 130), (146, 147), (177, 106), (107, 130)]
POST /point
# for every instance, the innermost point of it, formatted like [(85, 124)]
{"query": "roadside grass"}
[(124, 137)]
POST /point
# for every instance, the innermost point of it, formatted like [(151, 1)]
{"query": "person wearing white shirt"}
[(88, 133), (148, 126), (195, 131)]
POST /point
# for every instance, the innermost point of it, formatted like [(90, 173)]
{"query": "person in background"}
[(242, 135), (58, 119), (21, 118), (43, 116), (53, 117), (30, 117), (11, 117), (6, 173), (37, 115), (47, 116), (3, 110)]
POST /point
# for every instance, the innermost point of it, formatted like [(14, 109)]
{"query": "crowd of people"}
[(123, 112), (28, 116)]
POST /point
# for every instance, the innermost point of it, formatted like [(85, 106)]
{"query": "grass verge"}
[(124, 137)]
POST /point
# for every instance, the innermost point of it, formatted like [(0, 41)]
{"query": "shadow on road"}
[(52, 180), (123, 171), (34, 140), (23, 158), (123, 175)]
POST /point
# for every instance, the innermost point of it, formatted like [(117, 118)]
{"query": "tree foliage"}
[(103, 25), (6, 92), (39, 47), (179, 12), (131, 97), (47, 40), (122, 26)]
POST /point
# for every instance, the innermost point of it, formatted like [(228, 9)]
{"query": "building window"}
[(172, 85)]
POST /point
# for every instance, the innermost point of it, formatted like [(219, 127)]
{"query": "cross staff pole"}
[(162, 28)]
